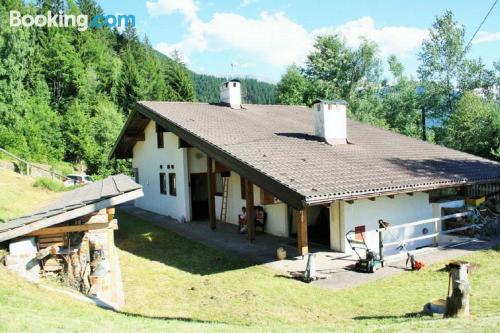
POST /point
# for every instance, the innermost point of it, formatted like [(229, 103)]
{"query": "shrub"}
[(49, 184)]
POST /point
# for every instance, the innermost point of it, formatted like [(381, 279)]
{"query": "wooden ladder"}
[(223, 210)]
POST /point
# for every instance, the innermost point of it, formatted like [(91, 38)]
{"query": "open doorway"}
[(199, 196), (319, 225)]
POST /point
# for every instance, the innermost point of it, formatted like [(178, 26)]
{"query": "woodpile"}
[(82, 254)]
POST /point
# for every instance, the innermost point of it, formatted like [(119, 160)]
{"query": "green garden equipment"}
[(371, 260)]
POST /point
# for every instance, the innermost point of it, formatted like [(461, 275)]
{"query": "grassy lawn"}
[(177, 285), (18, 195), (173, 284), (166, 275)]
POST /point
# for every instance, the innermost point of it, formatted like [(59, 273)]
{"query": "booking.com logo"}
[(60, 20)]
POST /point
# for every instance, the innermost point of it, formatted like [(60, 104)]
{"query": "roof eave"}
[(321, 200), (118, 141)]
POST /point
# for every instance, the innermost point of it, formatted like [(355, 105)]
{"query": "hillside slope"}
[(173, 284), (18, 195)]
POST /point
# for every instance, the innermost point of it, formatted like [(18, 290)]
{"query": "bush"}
[(49, 184)]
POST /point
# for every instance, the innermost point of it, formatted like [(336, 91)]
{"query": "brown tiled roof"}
[(277, 144)]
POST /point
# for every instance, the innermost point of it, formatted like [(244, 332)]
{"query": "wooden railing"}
[(435, 233), (29, 166)]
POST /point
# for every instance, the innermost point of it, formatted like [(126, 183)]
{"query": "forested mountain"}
[(207, 87), (64, 93), (253, 91)]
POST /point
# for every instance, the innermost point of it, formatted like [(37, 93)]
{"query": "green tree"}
[(400, 103), (474, 75), (180, 82), (106, 123), (441, 59), (475, 127), (292, 88), (78, 133), (336, 71)]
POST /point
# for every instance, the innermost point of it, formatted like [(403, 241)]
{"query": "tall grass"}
[(49, 184)]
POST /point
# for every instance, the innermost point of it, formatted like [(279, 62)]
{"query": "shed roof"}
[(275, 147), (73, 204)]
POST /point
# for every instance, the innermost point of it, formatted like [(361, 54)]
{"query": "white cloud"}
[(484, 36), (273, 38), (165, 7), (397, 40)]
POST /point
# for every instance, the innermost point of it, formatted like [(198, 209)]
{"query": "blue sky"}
[(263, 37)]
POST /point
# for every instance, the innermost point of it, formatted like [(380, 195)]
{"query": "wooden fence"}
[(25, 167)]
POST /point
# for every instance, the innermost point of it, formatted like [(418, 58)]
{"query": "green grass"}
[(49, 184), (18, 196), (173, 284)]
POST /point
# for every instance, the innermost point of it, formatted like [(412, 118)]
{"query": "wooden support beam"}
[(211, 193), (69, 228), (219, 167), (250, 210), (302, 243), (134, 136), (184, 144)]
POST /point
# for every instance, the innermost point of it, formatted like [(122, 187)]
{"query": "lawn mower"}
[(371, 262)]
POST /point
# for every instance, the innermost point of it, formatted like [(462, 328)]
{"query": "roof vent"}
[(330, 121), (230, 94)]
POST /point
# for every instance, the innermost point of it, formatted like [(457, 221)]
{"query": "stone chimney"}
[(330, 121), (230, 94)]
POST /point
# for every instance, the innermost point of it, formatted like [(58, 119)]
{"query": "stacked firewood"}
[(79, 258)]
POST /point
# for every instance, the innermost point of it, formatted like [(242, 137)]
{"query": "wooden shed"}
[(73, 239)]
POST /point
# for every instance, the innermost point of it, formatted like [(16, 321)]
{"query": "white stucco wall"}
[(197, 161), (276, 223), (147, 159), (400, 210)]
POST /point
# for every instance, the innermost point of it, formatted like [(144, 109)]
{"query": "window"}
[(136, 175), (163, 183), (172, 184), (243, 188), (159, 136)]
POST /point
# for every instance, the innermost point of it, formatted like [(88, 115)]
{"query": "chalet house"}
[(316, 173)]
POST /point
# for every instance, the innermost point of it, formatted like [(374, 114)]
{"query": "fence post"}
[(381, 246), (435, 232), (27, 169)]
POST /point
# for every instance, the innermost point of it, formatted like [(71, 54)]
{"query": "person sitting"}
[(260, 219), (242, 220)]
